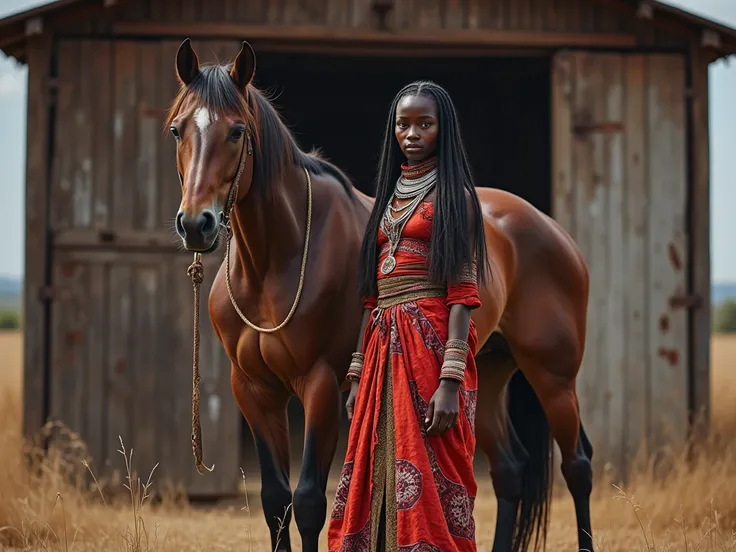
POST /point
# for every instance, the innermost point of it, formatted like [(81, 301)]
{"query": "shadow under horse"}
[(284, 305)]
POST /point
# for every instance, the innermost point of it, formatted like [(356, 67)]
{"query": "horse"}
[(284, 305)]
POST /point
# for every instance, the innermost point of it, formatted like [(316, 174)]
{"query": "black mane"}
[(275, 141), (274, 146)]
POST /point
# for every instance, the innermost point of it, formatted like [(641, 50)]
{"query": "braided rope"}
[(301, 272), (196, 273)]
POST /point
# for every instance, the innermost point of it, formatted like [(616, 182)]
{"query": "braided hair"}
[(451, 246)]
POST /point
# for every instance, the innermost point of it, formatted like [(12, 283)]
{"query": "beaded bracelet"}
[(356, 367), (455, 360)]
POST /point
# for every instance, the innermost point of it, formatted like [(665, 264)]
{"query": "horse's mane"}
[(274, 148)]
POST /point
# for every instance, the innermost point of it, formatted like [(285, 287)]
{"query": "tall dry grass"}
[(56, 505)]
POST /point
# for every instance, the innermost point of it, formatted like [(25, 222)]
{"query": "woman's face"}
[(416, 127)]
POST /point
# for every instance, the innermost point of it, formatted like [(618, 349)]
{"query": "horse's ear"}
[(187, 63), (244, 66)]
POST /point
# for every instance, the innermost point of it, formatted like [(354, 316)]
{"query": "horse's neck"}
[(269, 232)]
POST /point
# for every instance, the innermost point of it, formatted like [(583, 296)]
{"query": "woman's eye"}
[(426, 125)]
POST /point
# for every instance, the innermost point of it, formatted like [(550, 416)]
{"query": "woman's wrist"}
[(356, 367), (455, 360)]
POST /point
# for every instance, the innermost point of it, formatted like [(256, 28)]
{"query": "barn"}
[(594, 110)]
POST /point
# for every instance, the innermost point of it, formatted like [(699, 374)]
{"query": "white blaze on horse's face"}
[(203, 118)]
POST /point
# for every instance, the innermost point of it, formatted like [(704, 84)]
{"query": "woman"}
[(408, 484)]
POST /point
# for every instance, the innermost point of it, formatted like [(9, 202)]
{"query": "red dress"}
[(431, 479)]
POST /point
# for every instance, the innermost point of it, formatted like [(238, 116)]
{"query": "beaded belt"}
[(395, 290)]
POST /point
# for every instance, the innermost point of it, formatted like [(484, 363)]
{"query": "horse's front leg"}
[(322, 403), (264, 407)]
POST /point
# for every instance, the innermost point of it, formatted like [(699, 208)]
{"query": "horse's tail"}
[(530, 423)]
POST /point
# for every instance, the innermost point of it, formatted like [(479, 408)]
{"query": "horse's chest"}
[(253, 352)]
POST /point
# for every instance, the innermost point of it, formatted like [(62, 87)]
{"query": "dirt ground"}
[(694, 509)]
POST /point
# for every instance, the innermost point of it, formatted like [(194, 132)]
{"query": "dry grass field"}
[(694, 509)]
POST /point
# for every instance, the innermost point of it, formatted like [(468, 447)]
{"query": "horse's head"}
[(213, 128)]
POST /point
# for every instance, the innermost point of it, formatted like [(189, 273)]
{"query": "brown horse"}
[(285, 306)]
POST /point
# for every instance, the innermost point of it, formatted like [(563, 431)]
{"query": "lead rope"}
[(196, 272), (301, 272)]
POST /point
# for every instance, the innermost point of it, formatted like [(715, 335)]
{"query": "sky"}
[(13, 91)]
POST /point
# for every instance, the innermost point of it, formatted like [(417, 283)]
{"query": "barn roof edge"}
[(16, 28)]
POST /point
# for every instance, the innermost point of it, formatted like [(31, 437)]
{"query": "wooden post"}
[(35, 321), (700, 240)]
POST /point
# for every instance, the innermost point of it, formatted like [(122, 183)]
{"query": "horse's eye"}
[(235, 134), (175, 132)]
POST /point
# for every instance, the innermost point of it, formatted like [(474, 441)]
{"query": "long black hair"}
[(451, 245)]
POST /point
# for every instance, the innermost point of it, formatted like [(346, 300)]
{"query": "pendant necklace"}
[(414, 189)]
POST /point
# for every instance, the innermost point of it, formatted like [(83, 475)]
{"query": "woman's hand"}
[(444, 407), (350, 404)]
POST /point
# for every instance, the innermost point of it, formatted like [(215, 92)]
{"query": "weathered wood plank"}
[(595, 204), (700, 241), (146, 187), (168, 181), (118, 369), (585, 93), (428, 14), (563, 192), (146, 288), (454, 14), (618, 286), (102, 125), (307, 34), (189, 10), (36, 244), (125, 133), (82, 131), (636, 366), (62, 200), (167, 373), (477, 16), (93, 404), (667, 249), (70, 339), (338, 12)]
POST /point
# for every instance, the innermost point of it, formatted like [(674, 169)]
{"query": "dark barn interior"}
[(339, 104)]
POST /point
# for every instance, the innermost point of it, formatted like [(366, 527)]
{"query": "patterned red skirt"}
[(389, 454)]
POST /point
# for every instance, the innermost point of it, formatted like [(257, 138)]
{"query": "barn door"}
[(620, 188), (121, 315)]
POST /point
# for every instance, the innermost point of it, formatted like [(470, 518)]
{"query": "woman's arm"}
[(462, 298)]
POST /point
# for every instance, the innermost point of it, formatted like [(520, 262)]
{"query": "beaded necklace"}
[(414, 183)]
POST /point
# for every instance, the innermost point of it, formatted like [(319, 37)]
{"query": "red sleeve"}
[(370, 303), (465, 290)]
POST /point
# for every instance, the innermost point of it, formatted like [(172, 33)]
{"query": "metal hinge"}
[(680, 301)]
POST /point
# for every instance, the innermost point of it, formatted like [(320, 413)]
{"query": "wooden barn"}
[(594, 110)]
